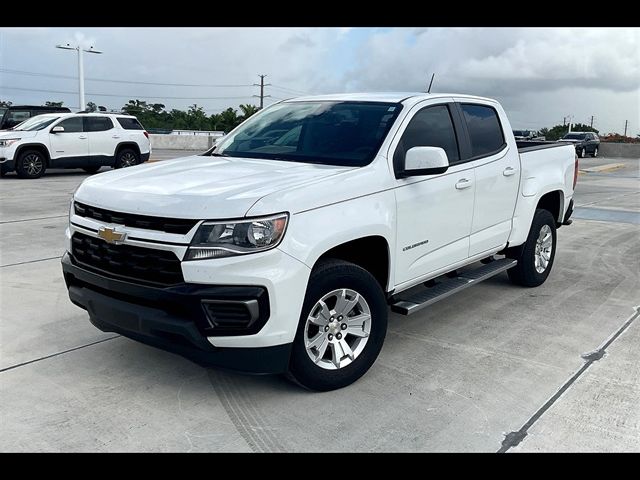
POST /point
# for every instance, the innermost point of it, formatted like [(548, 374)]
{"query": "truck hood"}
[(198, 187)]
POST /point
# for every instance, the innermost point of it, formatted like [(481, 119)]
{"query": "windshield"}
[(2, 110), (36, 123), (574, 136), (333, 133)]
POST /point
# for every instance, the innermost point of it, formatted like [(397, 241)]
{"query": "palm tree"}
[(248, 110)]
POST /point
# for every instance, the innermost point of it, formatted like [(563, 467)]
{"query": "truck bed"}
[(531, 145)]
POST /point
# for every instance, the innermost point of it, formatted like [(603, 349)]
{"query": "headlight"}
[(227, 239), (6, 142)]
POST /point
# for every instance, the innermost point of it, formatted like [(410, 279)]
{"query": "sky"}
[(540, 75)]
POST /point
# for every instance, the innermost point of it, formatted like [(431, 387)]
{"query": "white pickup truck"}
[(281, 249)]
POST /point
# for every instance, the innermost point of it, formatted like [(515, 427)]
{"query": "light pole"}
[(79, 49)]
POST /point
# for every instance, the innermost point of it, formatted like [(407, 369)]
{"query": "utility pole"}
[(80, 49), (591, 124), (626, 122), (261, 85), (564, 121)]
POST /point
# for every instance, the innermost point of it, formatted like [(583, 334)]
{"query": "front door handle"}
[(116, 136), (82, 137), (463, 183), (507, 172)]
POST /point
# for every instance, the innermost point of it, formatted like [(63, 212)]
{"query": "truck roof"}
[(392, 97)]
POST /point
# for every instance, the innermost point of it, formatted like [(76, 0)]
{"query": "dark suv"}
[(15, 114), (585, 142)]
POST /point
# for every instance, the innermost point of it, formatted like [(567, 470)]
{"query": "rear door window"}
[(484, 129), (97, 124)]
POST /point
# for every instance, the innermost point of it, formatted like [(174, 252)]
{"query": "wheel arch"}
[(41, 147), (370, 252), (553, 202), (122, 145)]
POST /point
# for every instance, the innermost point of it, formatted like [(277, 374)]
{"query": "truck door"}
[(434, 212), (497, 173)]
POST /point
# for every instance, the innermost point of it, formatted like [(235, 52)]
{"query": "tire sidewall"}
[(595, 152), (121, 153), (20, 168), (323, 280), (541, 218)]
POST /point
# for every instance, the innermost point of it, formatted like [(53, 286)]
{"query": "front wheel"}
[(583, 152), (595, 153), (535, 257), (341, 329), (31, 164)]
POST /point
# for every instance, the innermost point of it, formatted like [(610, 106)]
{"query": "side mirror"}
[(57, 129), (425, 161)]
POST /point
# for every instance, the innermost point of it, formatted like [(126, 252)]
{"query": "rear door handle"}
[(507, 172), (116, 136), (83, 137), (463, 183)]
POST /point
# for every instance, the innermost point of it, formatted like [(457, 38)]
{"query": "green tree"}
[(53, 104), (91, 107), (228, 120), (248, 110), (5, 103)]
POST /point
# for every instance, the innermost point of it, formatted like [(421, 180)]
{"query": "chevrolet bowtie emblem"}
[(110, 235)]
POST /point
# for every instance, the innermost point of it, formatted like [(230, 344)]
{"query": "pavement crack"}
[(514, 438), (29, 261), (57, 354), (33, 219)]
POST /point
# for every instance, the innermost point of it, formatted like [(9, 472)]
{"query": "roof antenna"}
[(431, 82)]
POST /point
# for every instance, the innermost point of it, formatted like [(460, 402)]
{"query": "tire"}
[(595, 152), (583, 152), (528, 273), (127, 157), (92, 170), (330, 280), (31, 164)]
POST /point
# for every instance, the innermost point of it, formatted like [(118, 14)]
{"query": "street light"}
[(79, 49)]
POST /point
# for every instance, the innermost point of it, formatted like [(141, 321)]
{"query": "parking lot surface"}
[(493, 368)]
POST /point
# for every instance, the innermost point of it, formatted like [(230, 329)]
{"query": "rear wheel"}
[(535, 257), (31, 164), (341, 329), (127, 157), (91, 170)]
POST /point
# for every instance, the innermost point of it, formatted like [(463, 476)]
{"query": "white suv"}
[(73, 140)]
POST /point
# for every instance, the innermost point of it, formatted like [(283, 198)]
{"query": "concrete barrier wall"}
[(199, 142), (180, 142), (619, 150)]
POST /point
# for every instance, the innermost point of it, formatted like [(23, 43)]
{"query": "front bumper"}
[(6, 165), (167, 318)]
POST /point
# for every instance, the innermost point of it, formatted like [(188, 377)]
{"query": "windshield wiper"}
[(215, 154)]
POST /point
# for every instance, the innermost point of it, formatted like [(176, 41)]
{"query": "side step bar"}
[(406, 305)]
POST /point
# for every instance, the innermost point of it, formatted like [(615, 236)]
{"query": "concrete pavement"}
[(458, 376)]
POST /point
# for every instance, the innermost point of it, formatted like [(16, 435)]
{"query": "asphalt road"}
[(495, 367)]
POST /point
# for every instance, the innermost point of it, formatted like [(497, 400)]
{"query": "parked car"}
[(282, 247), (527, 135), (584, 142), (73, 140), (15, 114)]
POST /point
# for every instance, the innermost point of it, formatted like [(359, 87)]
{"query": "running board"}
[(430, 295)]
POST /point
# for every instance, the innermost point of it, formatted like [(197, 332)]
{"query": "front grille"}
[(159, 267), (168, 225)]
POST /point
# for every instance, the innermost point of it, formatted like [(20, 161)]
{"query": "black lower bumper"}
[(145, 314), (144, 157), (7, 166)]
